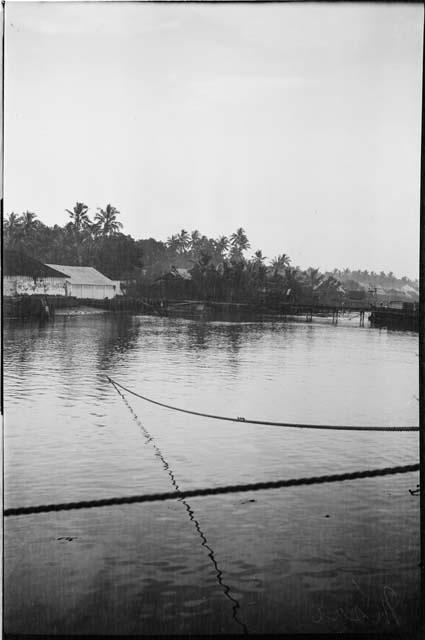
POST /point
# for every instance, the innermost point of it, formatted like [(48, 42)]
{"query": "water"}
[(327, 558)]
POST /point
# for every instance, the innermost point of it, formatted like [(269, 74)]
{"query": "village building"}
[(175, 283), (88, 283), (23, 275)]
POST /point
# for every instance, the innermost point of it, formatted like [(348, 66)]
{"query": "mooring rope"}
[(212, 491), (204, 542), (262, 422)]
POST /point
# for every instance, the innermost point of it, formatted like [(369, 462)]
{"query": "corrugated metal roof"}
[(16, 263), (83, 275)]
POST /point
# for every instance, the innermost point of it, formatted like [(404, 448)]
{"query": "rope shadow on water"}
[(204, 542)]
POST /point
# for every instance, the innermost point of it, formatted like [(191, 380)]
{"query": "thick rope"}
[(262, 422), (213, 491)]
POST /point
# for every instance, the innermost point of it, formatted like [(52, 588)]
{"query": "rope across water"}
[(263, 422), (213, 491)]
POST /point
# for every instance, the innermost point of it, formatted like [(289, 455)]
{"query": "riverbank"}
[(45, 307)]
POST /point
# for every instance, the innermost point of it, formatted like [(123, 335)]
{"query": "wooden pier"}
[(395, 318)]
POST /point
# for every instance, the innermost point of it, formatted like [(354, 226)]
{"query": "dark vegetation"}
[(188, 265)]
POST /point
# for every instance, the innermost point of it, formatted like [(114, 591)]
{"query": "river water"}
[(323, 558)]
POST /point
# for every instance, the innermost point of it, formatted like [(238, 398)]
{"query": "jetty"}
[(44, 307), (405, 318)]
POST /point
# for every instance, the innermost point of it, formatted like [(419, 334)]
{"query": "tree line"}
[(96, 242), (213, 268)]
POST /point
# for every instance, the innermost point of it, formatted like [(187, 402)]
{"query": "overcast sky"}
[(300, 123)]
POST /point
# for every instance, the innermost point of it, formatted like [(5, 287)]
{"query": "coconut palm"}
[(258, 257), (13, 221), (313, 277), (107, 222), (12, 229), (184, 241), (28, 222), (79, 224), (221, 245), (79, 216), (281, 262), (239, 241), (257, 263), (195, 237), (294, 281), (173, 243)]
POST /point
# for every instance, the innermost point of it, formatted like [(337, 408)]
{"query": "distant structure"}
[(177, 282), (23, 275), (118, 289), (87, 282)]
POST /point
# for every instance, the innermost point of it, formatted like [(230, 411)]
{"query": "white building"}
[(87, 282), (23, 275)]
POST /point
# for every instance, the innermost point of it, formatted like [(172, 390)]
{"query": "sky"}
[(299, 122)]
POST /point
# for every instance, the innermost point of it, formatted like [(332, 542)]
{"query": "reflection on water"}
[(294, 560)]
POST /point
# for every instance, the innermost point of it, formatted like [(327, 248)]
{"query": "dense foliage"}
[(98, 243), (186, 265)]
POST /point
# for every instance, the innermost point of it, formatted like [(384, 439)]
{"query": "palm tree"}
[(79, 216), (184, 241), (239, 240), (79, 222), (28, 222), (293, 280), (13, 220), (255, 279), (239, 243), (107, 222), (281, 262), (195, 237), (314, 277), (258, 261), (173, 243), (12, 229), (222, 244), (258, 256)]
